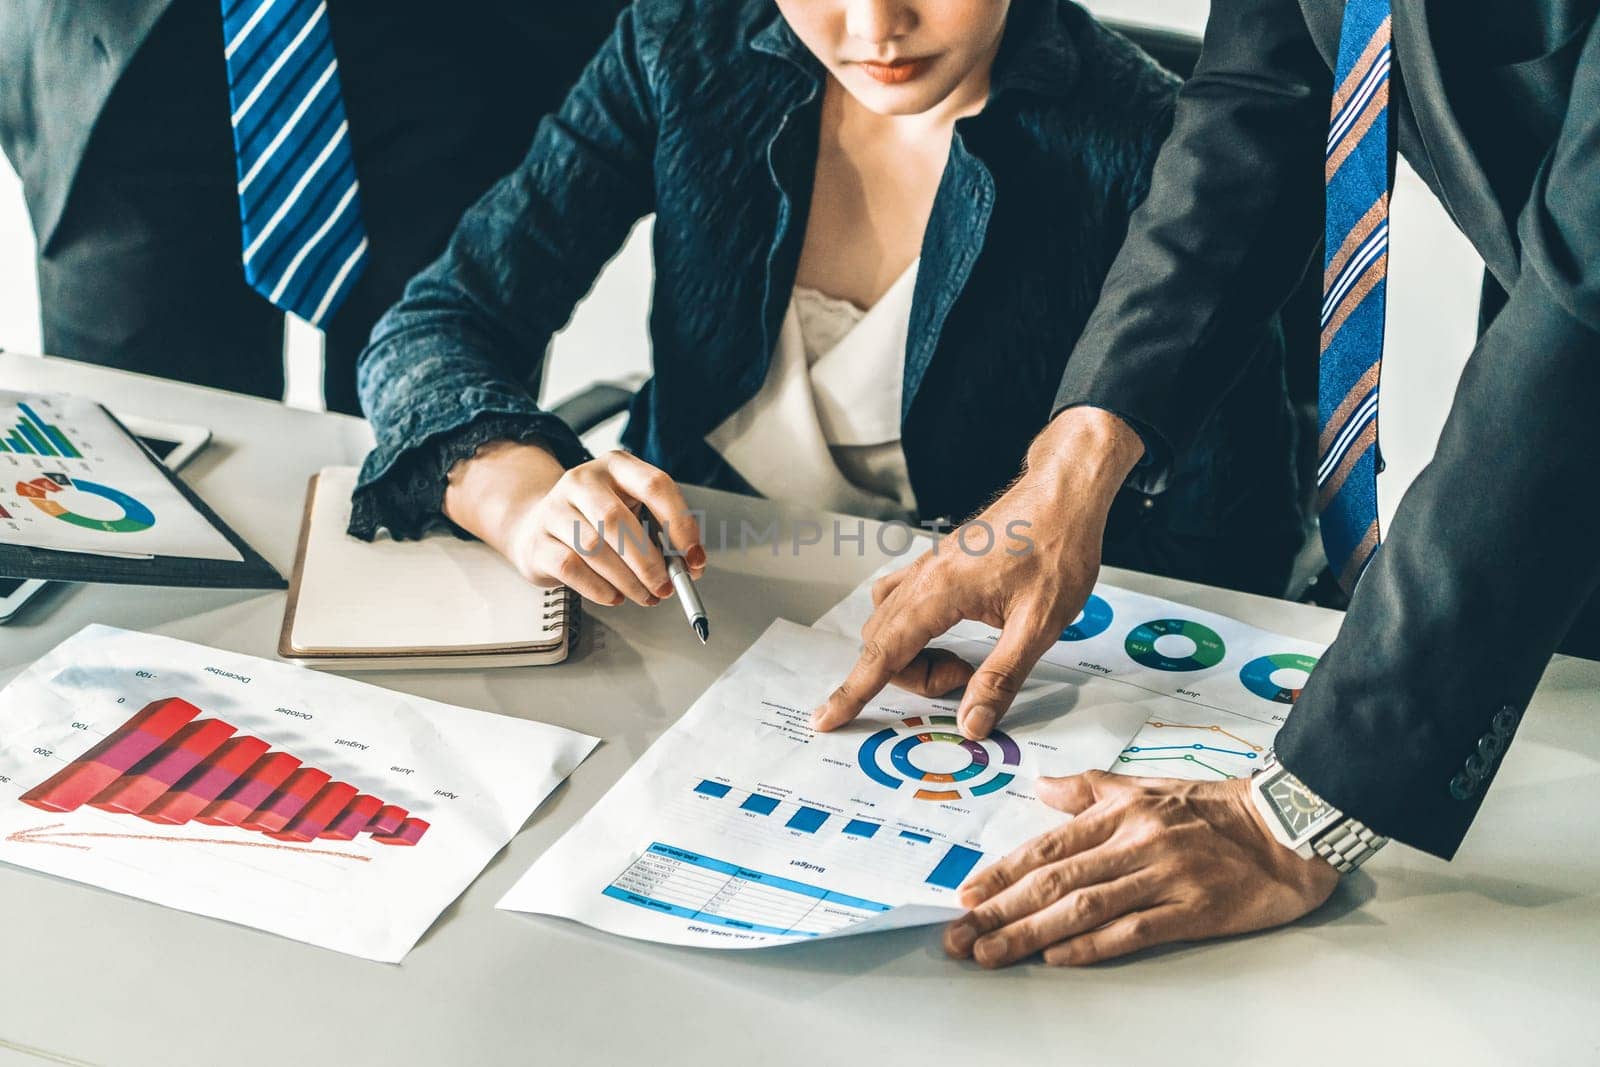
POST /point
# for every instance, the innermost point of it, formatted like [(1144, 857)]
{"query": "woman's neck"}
[(876, 180)]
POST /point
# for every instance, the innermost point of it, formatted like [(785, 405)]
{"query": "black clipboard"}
[(251, 572)]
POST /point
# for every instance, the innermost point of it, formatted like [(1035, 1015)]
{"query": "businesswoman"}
[(880, 227)]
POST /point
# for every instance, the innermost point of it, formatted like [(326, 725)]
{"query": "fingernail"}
[(617, 601), (652, 601), (961, 938), (696, 556), (991, 949), (971, 897), (979, 722), (664, 591), (818, 717)]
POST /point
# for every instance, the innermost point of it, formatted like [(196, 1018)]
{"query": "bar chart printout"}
[(307, 805), (31, 435), (73, 480), (706, 890), (166, 764), (744, 828)]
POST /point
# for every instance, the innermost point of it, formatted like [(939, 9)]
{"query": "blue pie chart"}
[(1091, 622)]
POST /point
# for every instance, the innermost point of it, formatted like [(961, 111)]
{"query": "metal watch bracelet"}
[(1348, 844)]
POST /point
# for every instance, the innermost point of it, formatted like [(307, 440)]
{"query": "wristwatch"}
[(1303, 821)]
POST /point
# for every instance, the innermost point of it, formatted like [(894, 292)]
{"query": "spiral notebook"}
[(441, 602)]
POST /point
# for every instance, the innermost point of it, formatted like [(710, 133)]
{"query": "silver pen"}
[(688, 596)]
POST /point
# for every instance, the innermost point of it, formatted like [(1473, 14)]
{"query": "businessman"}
[(195, 168), (1284, 139)]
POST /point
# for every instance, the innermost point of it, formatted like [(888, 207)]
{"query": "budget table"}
[(1491, 958)]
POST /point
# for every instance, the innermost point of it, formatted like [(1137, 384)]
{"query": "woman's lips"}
[(900, 70)]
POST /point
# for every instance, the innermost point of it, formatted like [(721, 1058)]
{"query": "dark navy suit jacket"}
[(706, 112), (1491, 558)]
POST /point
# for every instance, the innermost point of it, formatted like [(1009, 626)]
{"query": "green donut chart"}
[(1256, 675), (1209, 648), (41, 492)]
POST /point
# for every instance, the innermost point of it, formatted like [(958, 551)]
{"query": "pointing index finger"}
[(885, 654)]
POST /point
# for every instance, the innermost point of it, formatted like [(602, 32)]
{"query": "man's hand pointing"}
[(1028, 591)]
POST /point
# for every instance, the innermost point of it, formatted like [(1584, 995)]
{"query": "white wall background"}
[(19, 291), (1433, 289)]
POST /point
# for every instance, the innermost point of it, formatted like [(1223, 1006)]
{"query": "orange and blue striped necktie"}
[(1354, 282)]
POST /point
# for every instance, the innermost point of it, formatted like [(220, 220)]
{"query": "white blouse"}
[(824, 430)]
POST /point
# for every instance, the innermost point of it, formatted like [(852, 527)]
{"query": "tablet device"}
[(174, 444)]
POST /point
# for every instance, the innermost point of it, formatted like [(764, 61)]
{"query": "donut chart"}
[(928, 753), (41, 493), (1092, 621), (1256, 675), (1209, 648)]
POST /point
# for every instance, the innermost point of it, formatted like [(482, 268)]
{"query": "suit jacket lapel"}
[(1461, 181)]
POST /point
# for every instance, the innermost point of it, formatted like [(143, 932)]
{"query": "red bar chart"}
[(109, 760), (188, 748), (288, 801), (170, 765), (315, 817), (356, 817), (201, 786)]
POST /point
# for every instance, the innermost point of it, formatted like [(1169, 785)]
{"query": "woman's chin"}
[(906, 98)]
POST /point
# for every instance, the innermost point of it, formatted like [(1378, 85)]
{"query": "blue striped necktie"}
[(304, 245), (1354, 279)]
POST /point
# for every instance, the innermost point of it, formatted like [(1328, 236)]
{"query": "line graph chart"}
[(1196, 750)]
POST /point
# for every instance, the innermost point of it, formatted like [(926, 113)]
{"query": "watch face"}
[(1298, 809)]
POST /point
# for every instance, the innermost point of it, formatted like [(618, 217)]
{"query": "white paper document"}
[(742, 827), (308, 805), (1214, 690), (72, 481)]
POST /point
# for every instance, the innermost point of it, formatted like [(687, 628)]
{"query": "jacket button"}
[(1505, 720), (1462, 786), (1489, 747), (1476, 765)]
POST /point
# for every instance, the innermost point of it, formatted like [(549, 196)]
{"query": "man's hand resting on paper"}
[(547, 520), (1074, 470), (1145, 861)]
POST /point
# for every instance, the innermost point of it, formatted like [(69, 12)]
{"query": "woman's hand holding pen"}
[(580, 527)]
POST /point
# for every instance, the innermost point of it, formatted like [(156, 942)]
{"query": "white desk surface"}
[(1490, 959)]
